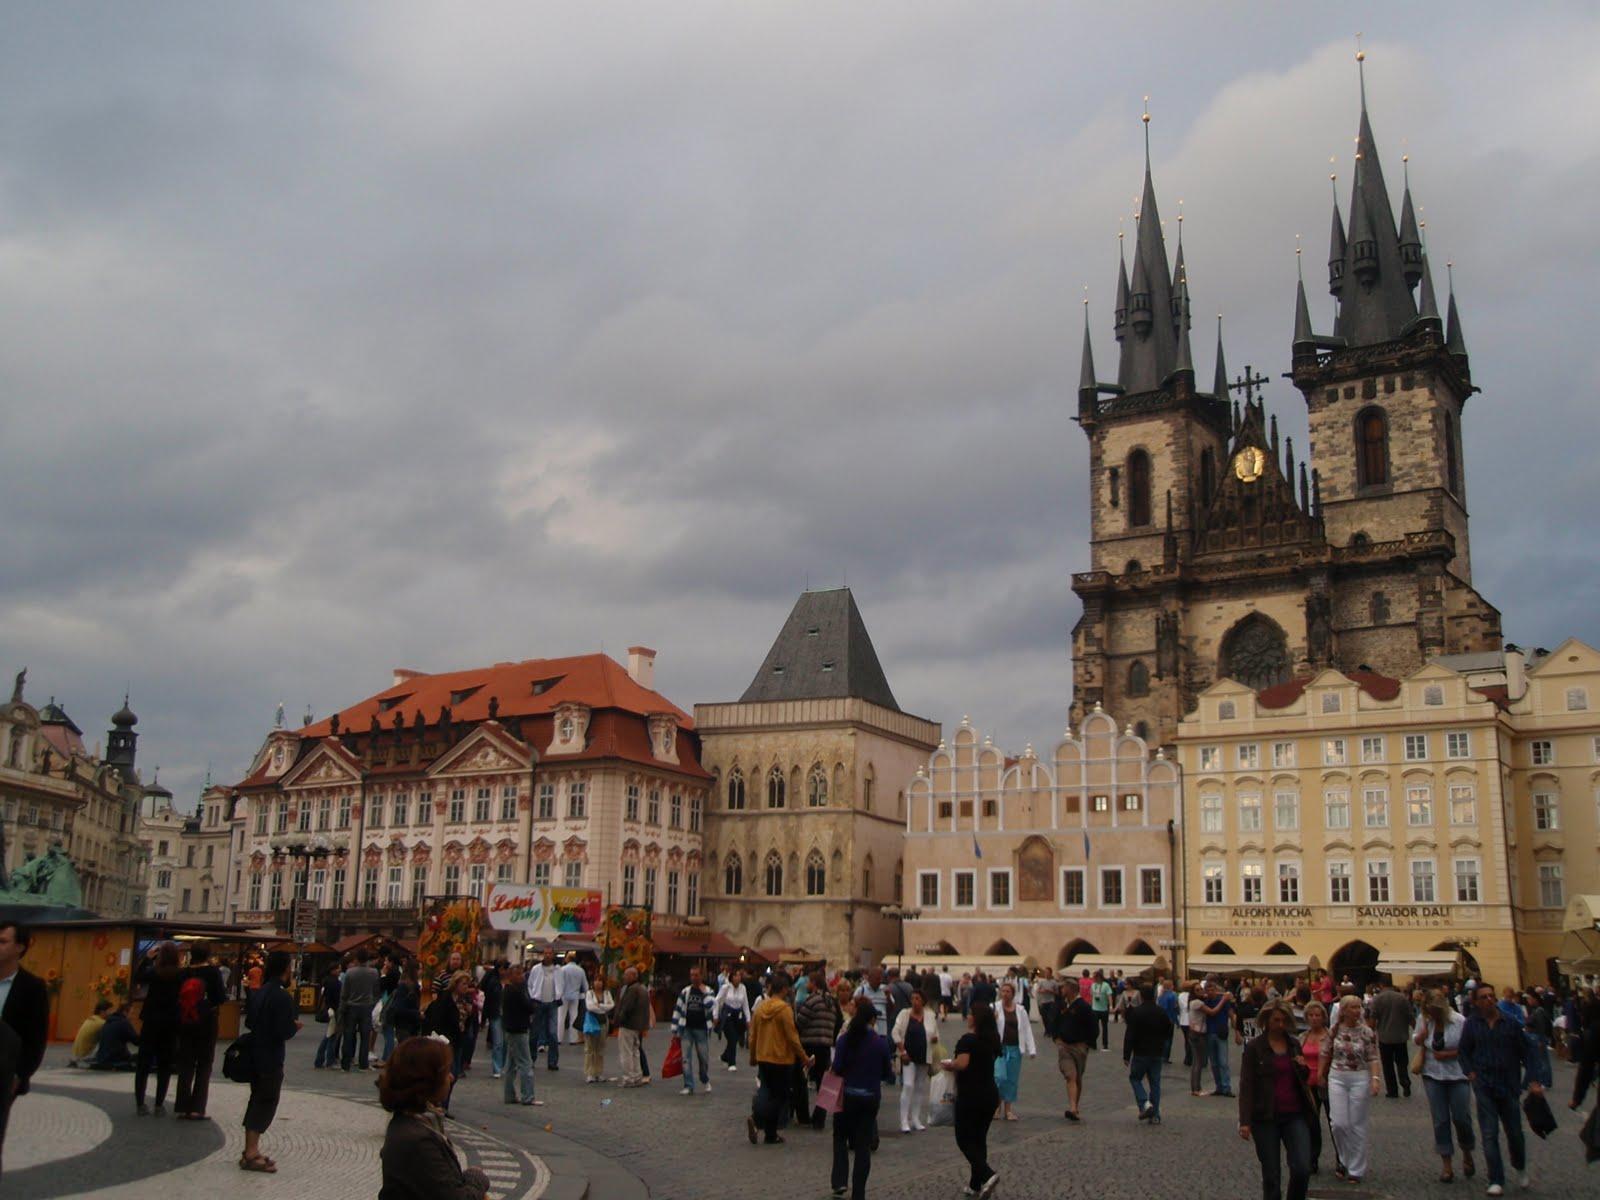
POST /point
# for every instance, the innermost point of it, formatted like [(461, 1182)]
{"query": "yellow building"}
[(1349, 821), (1551, 751), (1066, 860)]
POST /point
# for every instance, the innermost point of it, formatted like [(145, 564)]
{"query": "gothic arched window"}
[(816, 874), (733, 876), (1256, 653), (774, 873), (817, 788), (1372, 447), (1138, 679), (1378, 608), (775, 788), (736, 789), (1138, 488)]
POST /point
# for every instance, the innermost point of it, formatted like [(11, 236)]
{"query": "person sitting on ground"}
[(117, 1035), (87, 1040), (419, 1162)]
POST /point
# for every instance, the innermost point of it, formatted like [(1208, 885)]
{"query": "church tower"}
[(122, 743), (1385, 394), (1213, 552)]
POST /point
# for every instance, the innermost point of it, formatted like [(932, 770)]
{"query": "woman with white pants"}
[(1350, 1080), (915, 1032)]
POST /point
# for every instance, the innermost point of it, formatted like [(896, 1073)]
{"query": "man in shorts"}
[(1074, 1034)]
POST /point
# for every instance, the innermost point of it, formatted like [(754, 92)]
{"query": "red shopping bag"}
[(830, 1093), (673, 1067)]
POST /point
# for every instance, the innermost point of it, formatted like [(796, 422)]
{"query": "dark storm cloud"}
[(339, 339)]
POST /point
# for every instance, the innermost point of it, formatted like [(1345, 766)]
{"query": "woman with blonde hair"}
[(1438, 1033), (1350, 1078), (1313, 1048)]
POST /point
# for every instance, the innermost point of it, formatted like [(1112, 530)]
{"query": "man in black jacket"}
[(1145, 1038), (516, 1020), (200, 997), (1074, 1034), (25, 1010)]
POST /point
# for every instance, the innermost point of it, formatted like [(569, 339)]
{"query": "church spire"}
[(1219, 384), (1121, 322), (1427, 302), (1086, 380), (1410, 239), (1305, 342), (1373, 287), (1454, 341), (1149, 356)]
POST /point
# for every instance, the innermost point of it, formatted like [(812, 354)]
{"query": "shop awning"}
[(1420, 964), (1580, 952), (1249, 964), (958, 964), (1128, 964), (694, 943)]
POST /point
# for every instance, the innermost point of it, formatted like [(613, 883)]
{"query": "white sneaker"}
[(1496, 1190), (733, 1066), (905, 1129), (705, 1087), (688, 1091), (918, 1127), (1523, 1181)]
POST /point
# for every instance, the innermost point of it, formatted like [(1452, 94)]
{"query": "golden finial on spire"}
[(1361, 70)]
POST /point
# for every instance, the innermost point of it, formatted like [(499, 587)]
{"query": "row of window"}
[(1150, 883), (1461, 808), (777, 788), (30, 813), (398, 889), (396, 811), (1336, 751), (1072, 803), (1379, 887)]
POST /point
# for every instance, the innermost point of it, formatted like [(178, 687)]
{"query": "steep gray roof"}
[(822, 652)]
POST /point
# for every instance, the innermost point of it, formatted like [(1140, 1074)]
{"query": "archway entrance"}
[(769, 938), (1071, 951), (1355, 961), (1219, 947), (1140, 947), (1000, 949), (1467, 959)]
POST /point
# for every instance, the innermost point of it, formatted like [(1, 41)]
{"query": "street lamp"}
[(900, 914)]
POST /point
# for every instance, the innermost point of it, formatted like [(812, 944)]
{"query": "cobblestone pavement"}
[(694, 1147), (76, 1133)]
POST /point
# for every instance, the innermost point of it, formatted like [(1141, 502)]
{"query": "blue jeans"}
[(544, 1031), (1291, 1137), (696, 1047), (1143, 1067), (328, 1047), (1217, 1050), (1450, 1103), (1493, 1112), (497, 1046), (519, 1067), (388, 1040)]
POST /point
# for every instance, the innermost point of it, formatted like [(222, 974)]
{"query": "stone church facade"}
[(804, 838), (1214, 552)]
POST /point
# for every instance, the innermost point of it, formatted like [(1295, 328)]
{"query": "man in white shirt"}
[(947, 991), (574, 982), (545, 991)]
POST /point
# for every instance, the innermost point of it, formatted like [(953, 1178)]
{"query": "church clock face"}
[(1249, 463)]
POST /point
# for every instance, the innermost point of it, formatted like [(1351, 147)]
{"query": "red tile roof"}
[(1281, 695), (688, 943), (595, 680)]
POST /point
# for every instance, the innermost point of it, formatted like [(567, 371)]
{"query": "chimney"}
[(401, 674), (1516, 672), (642, 666)]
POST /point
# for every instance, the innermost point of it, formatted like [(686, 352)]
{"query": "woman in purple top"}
[(1275, 1106), (863, 1057)]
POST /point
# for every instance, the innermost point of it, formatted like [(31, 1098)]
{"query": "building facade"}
[(1068, 860), (804, 839), (1350, 819), (188, 856), (561, 772), (54, 790), (1214, 553)]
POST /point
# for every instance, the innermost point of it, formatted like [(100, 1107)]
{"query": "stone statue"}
[(47, 879), (17, 686), (494, 707), (1166, 644), (1319, 628)]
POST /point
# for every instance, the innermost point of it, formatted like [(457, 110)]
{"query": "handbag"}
[(830, 1093), (673, 1066), (1537, 1109), (1416, 1062), (238, 1060)]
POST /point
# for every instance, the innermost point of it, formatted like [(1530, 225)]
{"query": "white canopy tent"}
[(1580, 948), (1128, 964), (1249, 964), (959, 964), (1420, 964)]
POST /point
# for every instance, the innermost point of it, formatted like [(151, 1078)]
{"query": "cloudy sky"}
[(336, 338)]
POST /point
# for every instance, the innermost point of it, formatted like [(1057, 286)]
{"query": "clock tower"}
[(1214, 552)]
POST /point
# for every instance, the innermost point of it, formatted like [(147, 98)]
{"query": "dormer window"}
[(568, 728)]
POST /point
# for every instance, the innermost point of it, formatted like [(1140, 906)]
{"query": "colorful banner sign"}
[(544, 911)]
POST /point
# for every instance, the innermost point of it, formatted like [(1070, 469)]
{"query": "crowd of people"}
[(1313, 1058)]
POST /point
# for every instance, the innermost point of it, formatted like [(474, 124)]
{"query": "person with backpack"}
[(200, 995), (270, 1015)]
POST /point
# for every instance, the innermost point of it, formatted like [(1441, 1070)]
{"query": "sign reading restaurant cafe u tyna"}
[(546, 911)]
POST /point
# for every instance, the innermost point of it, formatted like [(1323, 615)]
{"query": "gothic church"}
[(1213, 553)]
